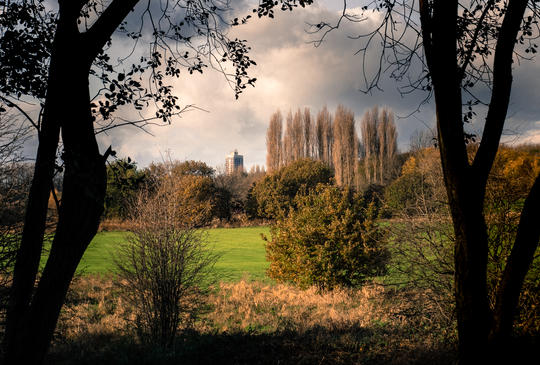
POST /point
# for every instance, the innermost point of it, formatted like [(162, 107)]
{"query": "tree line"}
[(332, 139)]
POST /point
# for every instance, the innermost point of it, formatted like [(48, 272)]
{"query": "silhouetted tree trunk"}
[(32, 317), (466, 182)]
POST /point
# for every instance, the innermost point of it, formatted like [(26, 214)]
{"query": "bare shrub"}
[(165, 265), (15, 177)]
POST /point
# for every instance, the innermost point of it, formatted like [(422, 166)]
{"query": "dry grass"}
[(256, 323)]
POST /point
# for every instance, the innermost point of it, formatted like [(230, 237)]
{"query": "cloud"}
[(291, 73)]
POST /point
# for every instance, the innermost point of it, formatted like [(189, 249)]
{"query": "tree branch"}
[(13, 105), (474, 39), (521, 257), (101, 31), (425, 20), (502, 85)]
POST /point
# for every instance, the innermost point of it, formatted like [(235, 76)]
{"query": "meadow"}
[(241, 253), (251, 319)]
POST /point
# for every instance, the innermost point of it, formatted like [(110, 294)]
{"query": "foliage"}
[(273, 196), (333, 139), (196, 194), (330, 240), (513, 174), (164, 267), (238, 186), (420, 187), (124, 181), (422, 240), (180, 168)]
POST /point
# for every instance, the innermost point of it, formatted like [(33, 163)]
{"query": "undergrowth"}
[(259, 323)]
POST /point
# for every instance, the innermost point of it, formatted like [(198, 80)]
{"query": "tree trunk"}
[(29, 253), (465, 190), (32, 320)]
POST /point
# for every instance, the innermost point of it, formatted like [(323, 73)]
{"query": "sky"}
[(292, 73)]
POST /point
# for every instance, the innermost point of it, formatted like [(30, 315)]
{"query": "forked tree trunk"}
[(32, 317), (465, 191), (466, 182)]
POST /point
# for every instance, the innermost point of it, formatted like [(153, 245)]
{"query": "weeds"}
[(257, 323)]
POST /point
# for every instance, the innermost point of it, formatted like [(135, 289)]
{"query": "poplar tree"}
[(345, 147), (297, 134), (324, 136), (274, 145), (288, 141)]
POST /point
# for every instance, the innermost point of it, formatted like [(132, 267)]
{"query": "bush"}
[(420, 187), (196, 191), (124, 180), (422, 240), (274, 195), (164, 267), (330, 240)]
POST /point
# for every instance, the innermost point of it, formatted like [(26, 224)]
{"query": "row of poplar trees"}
[(333, 140)]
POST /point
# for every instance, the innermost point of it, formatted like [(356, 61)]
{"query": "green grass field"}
[(241, 252)]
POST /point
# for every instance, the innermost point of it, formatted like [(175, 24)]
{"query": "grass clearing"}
[(241, 251)]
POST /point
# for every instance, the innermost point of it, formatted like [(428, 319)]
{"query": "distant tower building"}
[(234, 162)]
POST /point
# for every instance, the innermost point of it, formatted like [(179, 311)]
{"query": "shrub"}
[(124, 180), (420, 187), (422, 240), (272, 196), (164, 267), (330, 240), (196, 192)]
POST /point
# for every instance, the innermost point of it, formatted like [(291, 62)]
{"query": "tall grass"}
[(251, 322)]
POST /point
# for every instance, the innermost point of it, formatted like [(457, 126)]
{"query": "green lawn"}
[(241, 252)]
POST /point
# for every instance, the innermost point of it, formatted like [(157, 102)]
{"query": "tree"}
[(123, 183), (273, 196), (466, 46), (297, 136), (387, 145), (197, 194), (274, 145), (48, 55), (422, 245), (324, 136), (288, 140), (379, 137), (345, 147), (308, 134)]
